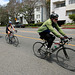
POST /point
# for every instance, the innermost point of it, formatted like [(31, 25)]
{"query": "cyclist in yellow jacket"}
[(48, 27)]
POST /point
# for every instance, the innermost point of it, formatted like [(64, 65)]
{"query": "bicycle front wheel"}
[(39, 49), (66, 58), (15, 41)]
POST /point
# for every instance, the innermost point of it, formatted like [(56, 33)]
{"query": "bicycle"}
[(65, 56), (12, 39)]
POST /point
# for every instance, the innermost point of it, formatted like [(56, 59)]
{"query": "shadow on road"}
[(1, 36), (52, 58)]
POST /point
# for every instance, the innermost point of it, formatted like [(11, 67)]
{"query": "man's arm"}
[(13, 28), (59, 30), (9, 28), (53, 30)]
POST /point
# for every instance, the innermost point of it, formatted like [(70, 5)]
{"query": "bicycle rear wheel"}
[(15, 41), (7, 39), (39, 49), (66, 61)]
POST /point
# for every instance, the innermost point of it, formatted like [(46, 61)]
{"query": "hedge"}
[(37, 24), (72, 16)]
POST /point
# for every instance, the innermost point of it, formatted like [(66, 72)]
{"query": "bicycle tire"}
[(66, 62), (15, 41), (7, 39), (39, 50)]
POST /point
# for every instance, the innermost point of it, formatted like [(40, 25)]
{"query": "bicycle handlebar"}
[(16, 31), (66, 40), (70, 38)]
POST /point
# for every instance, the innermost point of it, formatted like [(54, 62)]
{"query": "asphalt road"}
[(22, 61)]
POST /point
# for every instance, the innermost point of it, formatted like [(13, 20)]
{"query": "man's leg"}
[(50, 38)]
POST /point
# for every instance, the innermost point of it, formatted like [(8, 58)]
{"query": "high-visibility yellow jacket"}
[(47, 26)]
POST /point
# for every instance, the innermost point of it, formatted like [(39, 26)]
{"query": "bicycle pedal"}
[(48, 54)]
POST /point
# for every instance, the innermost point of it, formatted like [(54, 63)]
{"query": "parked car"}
[(19, 26)]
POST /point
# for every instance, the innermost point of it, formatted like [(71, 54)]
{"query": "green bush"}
[(72, 16), (34, 25), (39, 23)]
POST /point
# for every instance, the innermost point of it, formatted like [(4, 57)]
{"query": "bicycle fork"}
[(65, 53)]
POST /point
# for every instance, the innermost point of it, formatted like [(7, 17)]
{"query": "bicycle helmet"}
[(54, 15)]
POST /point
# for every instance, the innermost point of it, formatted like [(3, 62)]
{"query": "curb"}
[(68, 28), (34, 27)]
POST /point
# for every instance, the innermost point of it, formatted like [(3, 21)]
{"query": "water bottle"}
[(54, 48)]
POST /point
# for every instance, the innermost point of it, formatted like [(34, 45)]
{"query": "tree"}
[(13, 10), (3, 15), (48, 7), (72, 16), (28, 9)]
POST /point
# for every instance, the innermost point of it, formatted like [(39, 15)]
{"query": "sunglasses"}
[(56, 19)]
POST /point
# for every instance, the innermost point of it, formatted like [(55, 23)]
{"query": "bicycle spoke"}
[(39, 50), (66, 62), (7, 39)]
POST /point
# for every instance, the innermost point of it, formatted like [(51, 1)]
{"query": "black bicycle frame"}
[(64, 51)]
